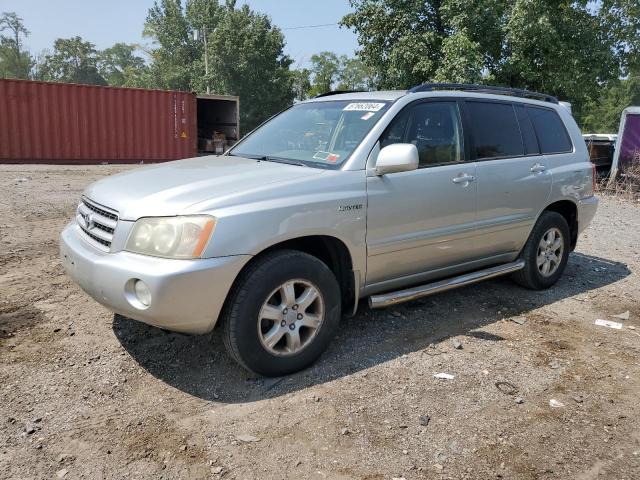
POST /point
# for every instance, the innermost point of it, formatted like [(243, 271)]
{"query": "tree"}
[(120, 66), (330, 72), (301, 83), (247, 59), (177, 54), (325, 68), (15, 61), (245, 55), (602, 115), (72, 61), (354, 75), (567, 48)]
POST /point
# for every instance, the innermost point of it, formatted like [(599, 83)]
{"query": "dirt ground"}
[(87, 395)]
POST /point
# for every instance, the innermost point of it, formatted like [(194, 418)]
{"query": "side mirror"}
[(399, 157)]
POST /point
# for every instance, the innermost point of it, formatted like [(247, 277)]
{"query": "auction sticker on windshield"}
[(326, 156), (364, 107)]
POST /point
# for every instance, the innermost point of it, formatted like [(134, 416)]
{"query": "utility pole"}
[(198, 35), (206, 59)]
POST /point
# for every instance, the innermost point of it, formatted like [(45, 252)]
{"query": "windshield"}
[(317, 134)]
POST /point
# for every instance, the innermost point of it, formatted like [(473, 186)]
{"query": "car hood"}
[(169, 189)]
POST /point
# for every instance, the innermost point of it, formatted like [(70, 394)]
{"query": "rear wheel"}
[(546, 252), (282, 313)]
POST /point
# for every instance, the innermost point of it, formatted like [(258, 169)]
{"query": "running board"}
[(400, 296)]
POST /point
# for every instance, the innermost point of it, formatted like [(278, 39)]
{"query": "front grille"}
[(97, 222)]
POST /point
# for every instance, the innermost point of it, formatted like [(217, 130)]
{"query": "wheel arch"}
[(330, 250), (569, 210)]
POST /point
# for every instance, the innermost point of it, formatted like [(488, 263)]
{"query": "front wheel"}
[(282, 313), (546, 252)]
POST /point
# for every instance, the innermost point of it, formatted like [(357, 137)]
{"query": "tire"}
[(260, 325), (533, 274)]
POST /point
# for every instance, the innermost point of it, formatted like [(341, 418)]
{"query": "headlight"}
[(171, 237)]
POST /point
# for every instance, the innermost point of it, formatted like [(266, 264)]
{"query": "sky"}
[(105, 22)]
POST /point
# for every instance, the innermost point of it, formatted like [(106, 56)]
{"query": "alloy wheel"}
[(550, 251), (290, 317)]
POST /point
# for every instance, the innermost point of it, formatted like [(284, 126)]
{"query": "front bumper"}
[(586, 211), (186, 295)]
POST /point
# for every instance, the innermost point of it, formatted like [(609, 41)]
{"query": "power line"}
[(310, 26)]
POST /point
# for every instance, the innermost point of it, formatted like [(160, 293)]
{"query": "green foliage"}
[(176, 53), (301, 83), (330, 72), (120, 66), (354, 75), (464, 60), (325, 67), (602, 115), (567, 48), (245, 55), (72, 61), (15, 62), (246, 58)]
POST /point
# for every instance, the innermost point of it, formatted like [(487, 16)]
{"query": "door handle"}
[(464, 178), (538, 168)]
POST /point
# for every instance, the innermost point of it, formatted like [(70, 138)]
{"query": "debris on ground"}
[(457, 344), (555, 403), (555, 364), (247, 438), (519, 400), (519, 320), (444, 376), (424, 420), (622, 316), (608, 323), (507, 388)]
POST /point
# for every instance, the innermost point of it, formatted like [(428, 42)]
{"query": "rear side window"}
[(528, 134), (495, 130), (552, 135)]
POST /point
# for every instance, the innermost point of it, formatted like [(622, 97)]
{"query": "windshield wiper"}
[(288, 161), (248, 155), (269, 158)]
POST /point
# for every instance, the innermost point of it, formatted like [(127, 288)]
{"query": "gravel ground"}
[(87, 395)]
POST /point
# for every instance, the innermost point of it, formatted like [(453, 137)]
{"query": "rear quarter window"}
[(494, 129), (551, 132)]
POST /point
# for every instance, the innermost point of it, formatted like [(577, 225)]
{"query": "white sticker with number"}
[(364, 107)]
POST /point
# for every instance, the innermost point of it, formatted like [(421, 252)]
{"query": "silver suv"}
[(386, 195)]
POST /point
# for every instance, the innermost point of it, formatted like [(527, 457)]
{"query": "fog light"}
[(143, 294)]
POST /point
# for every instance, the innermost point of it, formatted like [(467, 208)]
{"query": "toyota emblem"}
[(88, 220)]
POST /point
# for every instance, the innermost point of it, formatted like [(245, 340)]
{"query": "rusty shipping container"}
[(43, 122)]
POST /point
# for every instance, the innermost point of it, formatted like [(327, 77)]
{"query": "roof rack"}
[(469, 87), (337, 92)]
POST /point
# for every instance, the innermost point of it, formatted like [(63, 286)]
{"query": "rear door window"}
[(552, 135), (494, 129)]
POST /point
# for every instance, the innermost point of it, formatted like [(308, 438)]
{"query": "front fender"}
[(333, 205)]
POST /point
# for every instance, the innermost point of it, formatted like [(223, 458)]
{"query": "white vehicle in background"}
[(601, 147)]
